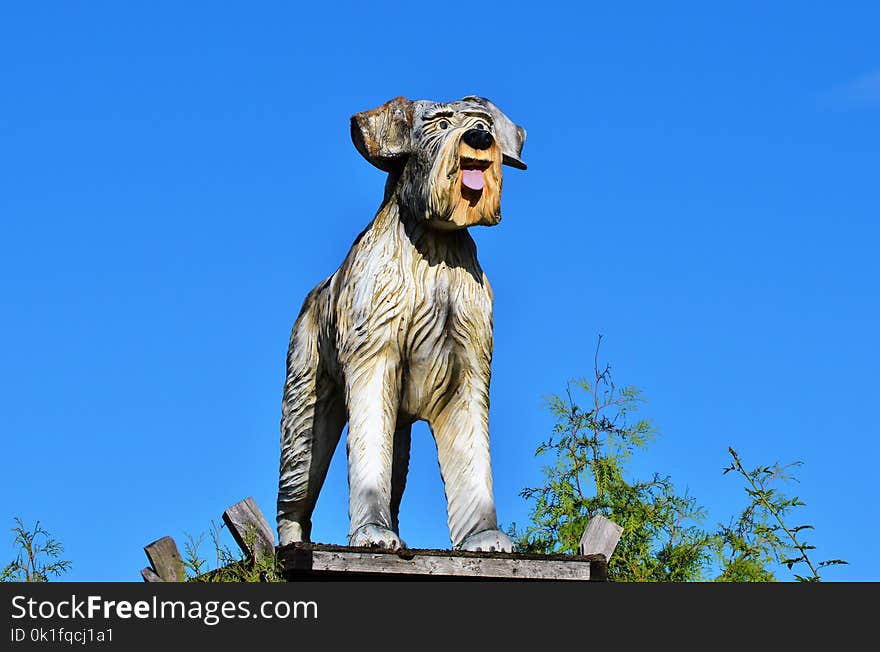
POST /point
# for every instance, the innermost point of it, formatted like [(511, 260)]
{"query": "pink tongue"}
[(473, 179)]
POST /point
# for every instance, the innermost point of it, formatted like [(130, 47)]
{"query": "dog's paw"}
[(487, 541), (375, 536), (291, 532)]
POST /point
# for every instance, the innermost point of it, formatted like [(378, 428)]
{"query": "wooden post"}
[(249, 528), (600, 537), (165, 560)]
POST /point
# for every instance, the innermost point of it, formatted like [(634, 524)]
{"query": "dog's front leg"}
[(461, 431), (373, 399)]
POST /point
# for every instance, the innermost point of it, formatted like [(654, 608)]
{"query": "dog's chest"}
[(448, 321)]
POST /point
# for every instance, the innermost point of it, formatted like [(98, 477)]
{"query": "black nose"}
[(478, 138)]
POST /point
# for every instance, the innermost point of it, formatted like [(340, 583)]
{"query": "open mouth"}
[(472, 176)]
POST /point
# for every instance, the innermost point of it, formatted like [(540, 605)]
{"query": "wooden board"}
[(248, 526), (600, 537), (165, 560), (304, 561), (150, 575)]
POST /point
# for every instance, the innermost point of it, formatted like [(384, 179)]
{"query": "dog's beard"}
[(439, 191)]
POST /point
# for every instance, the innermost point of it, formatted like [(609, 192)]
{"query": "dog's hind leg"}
[(313, 415), (399, 469)]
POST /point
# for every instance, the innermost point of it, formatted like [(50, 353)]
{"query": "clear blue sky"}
[(174, 178)]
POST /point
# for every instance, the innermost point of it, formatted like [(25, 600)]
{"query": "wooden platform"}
[(306, 561), (309, 561)]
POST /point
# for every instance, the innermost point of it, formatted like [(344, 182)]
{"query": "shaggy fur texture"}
[(403, 331)]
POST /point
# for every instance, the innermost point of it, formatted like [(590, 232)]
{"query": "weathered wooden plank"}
[(165, 560), (249, 528), (496, 568), (149, 575), (600, 537), (312, 558)]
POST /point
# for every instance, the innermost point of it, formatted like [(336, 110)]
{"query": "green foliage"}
[(229, 566), (37, 558), (760, 534), (663, 538)]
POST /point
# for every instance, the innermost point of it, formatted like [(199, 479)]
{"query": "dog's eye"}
[(443, 124)]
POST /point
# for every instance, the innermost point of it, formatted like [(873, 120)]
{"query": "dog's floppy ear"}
[(384, 135), (510, 136)]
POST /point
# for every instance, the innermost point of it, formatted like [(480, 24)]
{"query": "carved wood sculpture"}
[(403, 330)]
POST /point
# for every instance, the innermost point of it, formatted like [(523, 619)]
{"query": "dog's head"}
[(445, 158)]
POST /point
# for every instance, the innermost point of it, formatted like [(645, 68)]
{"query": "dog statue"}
[(403, 330)]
